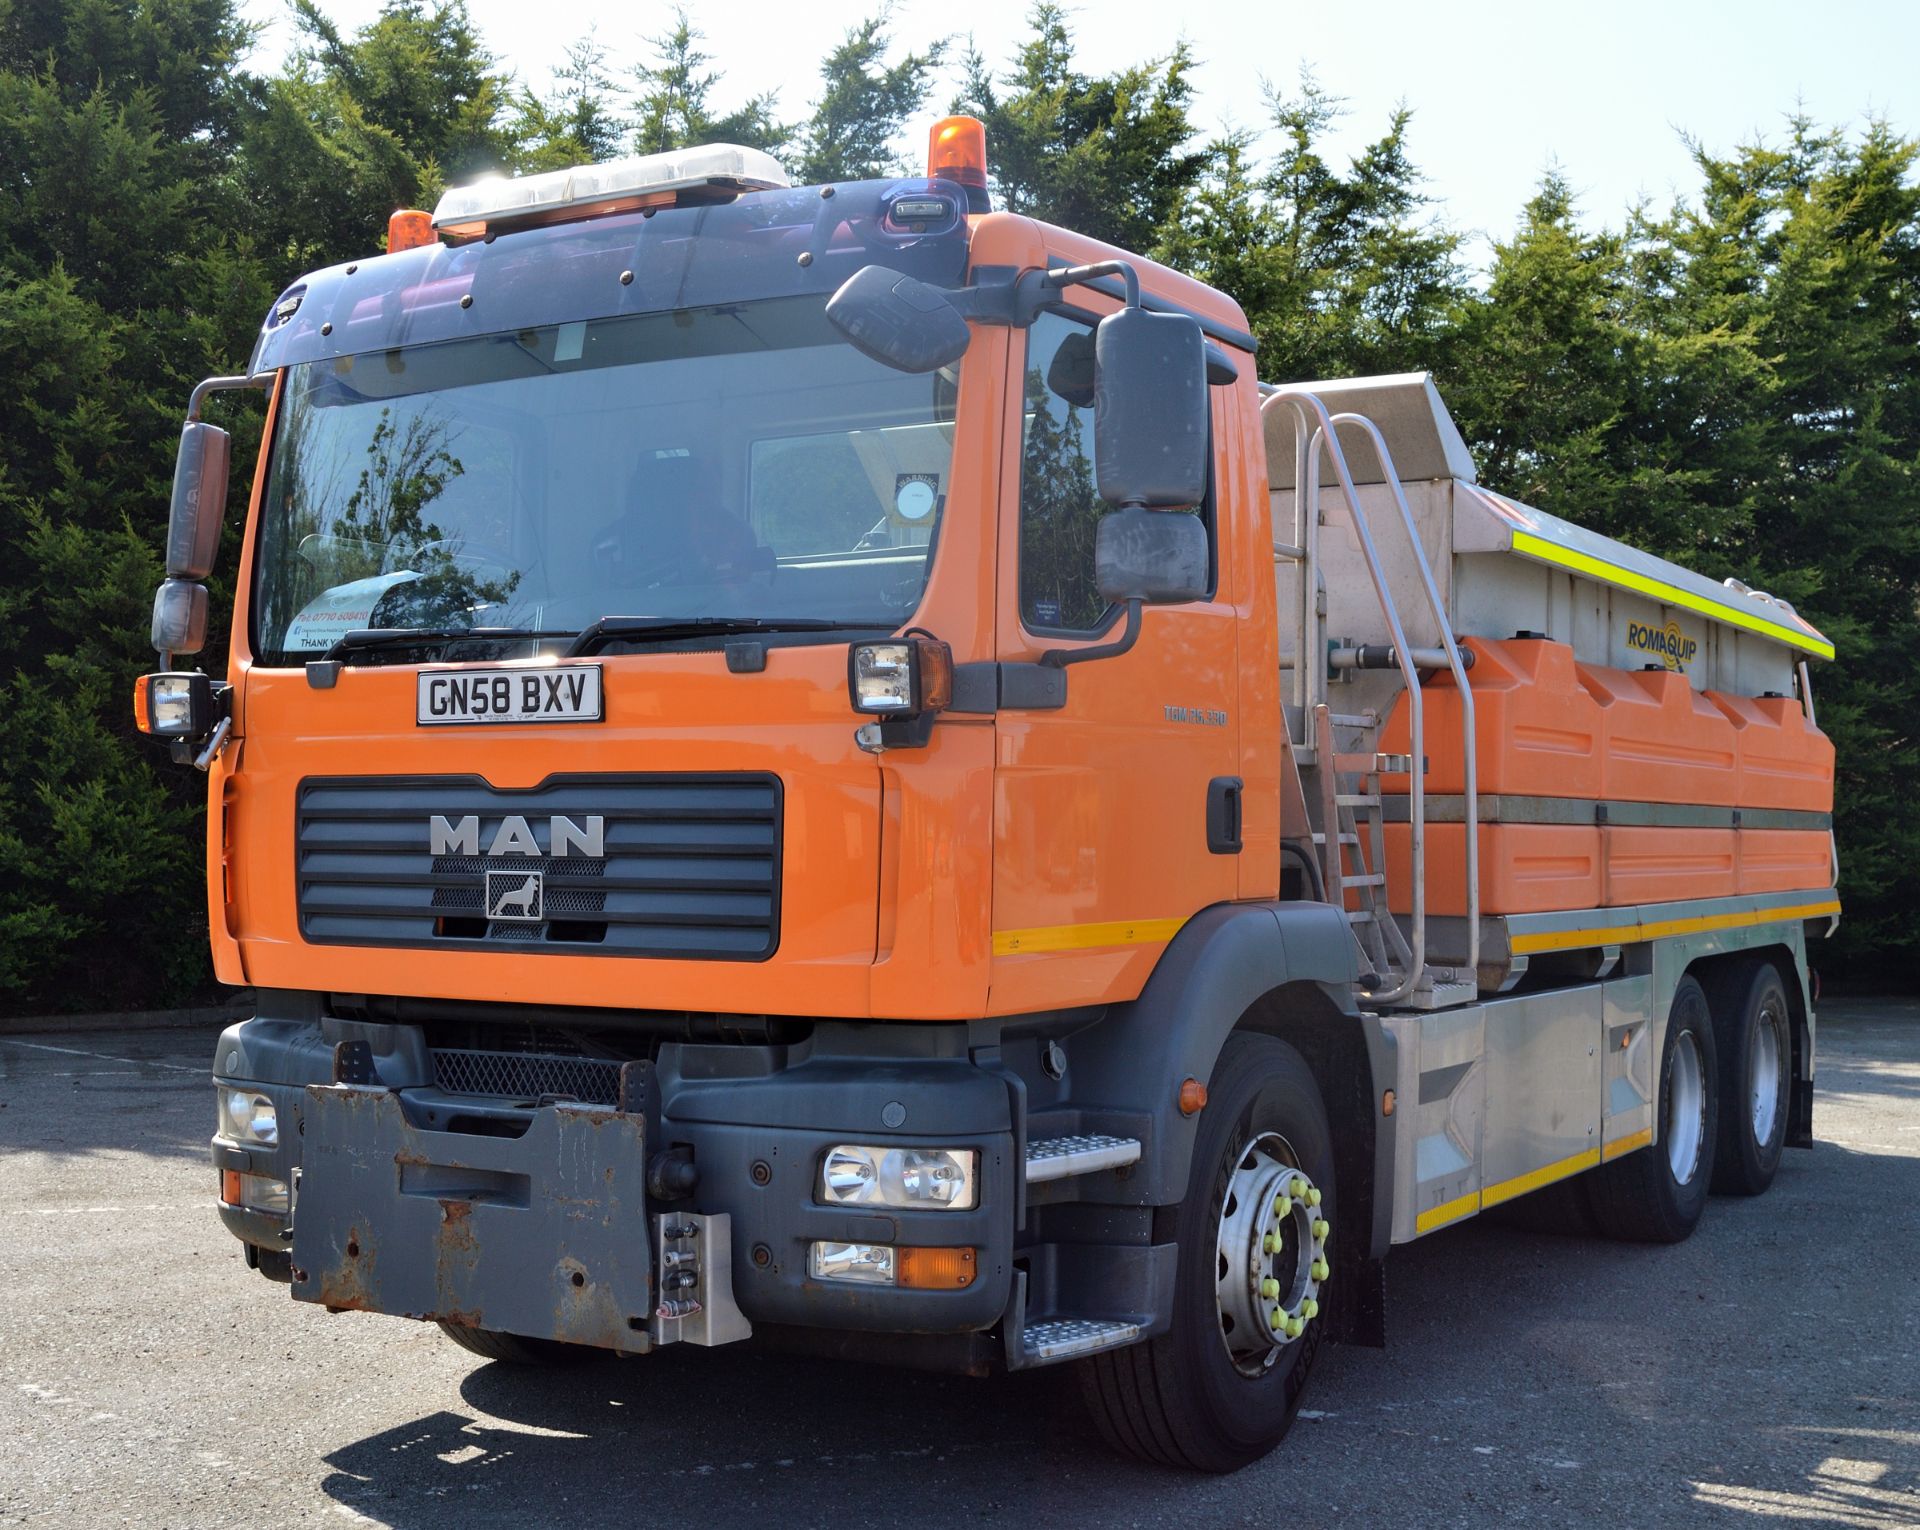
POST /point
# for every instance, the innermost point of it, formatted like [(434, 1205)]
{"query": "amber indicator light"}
[(934, 1269)]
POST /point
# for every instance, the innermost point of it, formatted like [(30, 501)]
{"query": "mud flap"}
[(543, 1235)]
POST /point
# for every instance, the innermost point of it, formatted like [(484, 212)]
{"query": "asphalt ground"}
[(1766, 1372)]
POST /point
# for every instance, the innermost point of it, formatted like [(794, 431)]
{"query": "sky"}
[(1499, 91)]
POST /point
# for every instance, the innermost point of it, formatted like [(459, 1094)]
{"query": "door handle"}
[(1223, 815)]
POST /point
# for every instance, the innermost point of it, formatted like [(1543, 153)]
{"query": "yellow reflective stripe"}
[(1520, 1184), (1506, 1190), (1611, 573), (1083, 937), (1621, 934), (1613, 1150), (1447, 1211)]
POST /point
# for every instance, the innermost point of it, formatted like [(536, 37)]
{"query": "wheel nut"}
[(1320, 1270), (1320, 1230), (1280, 1205), (1295, 1328), (1270, 1244), (1313, 1196), (1309, 1308), (1299, 1186), (1275, 1321), (1269, 1289)]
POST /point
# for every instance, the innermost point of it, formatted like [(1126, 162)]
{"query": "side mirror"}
[(1156, 556), (898, 321), (180, 617), (199, 500), (1150, 410)]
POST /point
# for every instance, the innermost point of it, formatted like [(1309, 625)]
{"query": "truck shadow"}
[(716, 1434)]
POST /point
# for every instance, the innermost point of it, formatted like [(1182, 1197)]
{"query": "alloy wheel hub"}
[(1272, 1254)]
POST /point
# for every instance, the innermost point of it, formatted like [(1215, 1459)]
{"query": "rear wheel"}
[(1753, 1028), (1656, 1195), (1221, 1388), (515, 1349)]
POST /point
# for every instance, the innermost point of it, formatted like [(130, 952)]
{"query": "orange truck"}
[(827, 766)]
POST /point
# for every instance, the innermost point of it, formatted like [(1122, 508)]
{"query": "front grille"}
[(527, 1076), (691, 864)]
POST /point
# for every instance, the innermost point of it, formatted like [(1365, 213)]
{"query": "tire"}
[(274, 1263), (514, 1349), (1753, 1029), (1181, 1399), (1646, 1197)]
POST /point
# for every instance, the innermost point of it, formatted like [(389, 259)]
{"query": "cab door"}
[(1114, 815)]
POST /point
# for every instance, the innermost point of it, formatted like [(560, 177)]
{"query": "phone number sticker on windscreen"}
[(569, 693)]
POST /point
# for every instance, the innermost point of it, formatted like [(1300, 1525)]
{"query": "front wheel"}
[(1221, 1388), (514, 1349), (1656, 1195)]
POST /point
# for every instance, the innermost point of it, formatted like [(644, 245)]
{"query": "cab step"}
[(1056, 1339), (1063, 1157)]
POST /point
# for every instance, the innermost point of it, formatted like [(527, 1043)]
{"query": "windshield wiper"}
[(370, 639), (667, 628)]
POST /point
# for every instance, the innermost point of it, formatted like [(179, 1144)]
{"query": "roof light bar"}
[(716, 171)]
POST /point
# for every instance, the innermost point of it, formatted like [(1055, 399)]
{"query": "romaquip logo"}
[(1672, 646)]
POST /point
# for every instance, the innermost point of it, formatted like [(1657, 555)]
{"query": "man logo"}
[(515, 836), (516, 895)]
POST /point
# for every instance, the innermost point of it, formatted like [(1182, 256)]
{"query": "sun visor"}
[(768, 244)]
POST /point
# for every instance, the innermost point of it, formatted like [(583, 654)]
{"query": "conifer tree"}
[(850, 134)]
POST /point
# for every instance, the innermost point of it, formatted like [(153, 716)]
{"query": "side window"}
[(1060, 508)]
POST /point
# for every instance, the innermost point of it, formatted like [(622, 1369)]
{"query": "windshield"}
[(736, 461)]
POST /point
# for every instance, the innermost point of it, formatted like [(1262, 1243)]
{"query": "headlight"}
[(247, 1116), (913, 1178)]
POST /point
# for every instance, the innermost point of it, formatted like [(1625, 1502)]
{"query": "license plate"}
[(566, 693)]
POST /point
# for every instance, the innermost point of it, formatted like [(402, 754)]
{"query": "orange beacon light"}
[(957, 152)]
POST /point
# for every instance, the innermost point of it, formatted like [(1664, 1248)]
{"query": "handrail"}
[(1470, 742), (1309, 448), (1806, 705)]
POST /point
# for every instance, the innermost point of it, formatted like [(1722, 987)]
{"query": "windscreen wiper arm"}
[(368, 639), (668, 628)]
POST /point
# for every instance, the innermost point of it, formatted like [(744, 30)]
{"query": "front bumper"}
[(546, 1233)]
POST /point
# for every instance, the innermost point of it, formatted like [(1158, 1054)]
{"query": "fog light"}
[(254, 1192), (900, 679), (912, 1178), (869, 1264), (881, 678), (174, 705), (245, 1115)]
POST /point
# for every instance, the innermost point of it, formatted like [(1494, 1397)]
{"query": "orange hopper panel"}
[(1537, 727), (1525, 868), (1783, 860), (1785, 762), (1663, 741), (1664, 865)]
